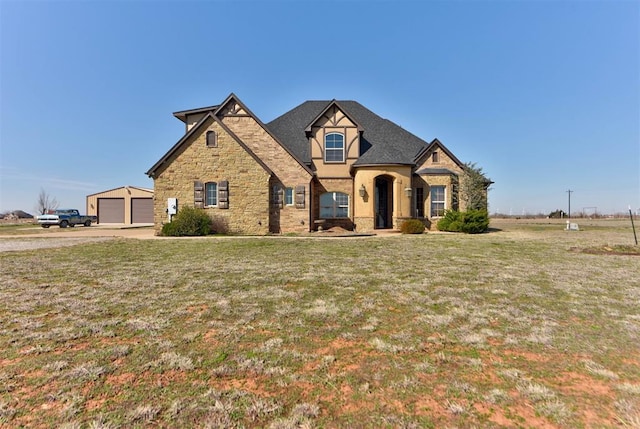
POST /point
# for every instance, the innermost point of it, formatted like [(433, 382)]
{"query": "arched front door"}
[(383, 202)]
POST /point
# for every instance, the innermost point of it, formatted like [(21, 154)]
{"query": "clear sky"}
[(543, 95)]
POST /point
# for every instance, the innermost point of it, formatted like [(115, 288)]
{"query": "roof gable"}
[(198, 128), (382, 141), (150, 191), (182, 114), (435, 143), (246, 111), (332, 103)]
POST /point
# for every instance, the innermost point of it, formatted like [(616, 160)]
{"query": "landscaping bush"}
[(412, 226), (452, 221), (470, 222), (188, 222)]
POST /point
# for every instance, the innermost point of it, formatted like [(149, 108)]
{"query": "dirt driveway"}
[(146, 232), (31, 238)]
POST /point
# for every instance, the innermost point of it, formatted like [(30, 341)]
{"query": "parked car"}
[(66, 217)]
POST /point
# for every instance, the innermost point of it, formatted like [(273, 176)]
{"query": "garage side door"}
[(141, 210), (110, 210)]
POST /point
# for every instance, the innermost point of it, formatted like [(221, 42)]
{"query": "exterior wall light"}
[(362, 191), (407, 192)]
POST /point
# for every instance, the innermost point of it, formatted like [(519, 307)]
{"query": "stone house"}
[(322, 164)]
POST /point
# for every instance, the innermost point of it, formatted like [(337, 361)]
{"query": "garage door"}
[(141, 210), (110, 210)]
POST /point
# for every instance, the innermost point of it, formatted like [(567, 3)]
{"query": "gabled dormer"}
[(334, 141), (437, 157)]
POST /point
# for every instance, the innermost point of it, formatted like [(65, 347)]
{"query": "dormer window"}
[(334, 147)]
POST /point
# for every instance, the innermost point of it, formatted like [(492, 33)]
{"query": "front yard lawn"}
[(507, 329)]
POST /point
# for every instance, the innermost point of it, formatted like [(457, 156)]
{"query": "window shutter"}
[(300, 190), (223, 194), (198, 195), (212, 139), (278, 196)]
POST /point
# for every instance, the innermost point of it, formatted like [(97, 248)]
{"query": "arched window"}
[(211, 194), (334, 147), (212, 139), (334, 205)]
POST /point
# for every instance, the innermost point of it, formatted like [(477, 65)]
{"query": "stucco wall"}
[(364, 207), (334, 121)]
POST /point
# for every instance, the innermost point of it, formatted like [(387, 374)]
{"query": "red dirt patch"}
[(121, 379), (532, 357)]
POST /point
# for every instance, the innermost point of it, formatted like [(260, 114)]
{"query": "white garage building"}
[(126, 205)]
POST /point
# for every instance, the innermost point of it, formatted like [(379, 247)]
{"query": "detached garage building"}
[(126, 205)]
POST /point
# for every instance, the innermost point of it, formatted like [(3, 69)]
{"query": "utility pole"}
[(633, 226), (569, 212)]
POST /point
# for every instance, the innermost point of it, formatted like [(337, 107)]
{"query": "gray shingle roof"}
[(437, 171), (383, 142)]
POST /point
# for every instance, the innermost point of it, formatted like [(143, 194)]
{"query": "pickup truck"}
[(65, 218)]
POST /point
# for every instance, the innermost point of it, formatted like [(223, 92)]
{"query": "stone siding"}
[(248, 211), (287, 171)]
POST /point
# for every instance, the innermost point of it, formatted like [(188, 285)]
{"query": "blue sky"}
[(543, 95)]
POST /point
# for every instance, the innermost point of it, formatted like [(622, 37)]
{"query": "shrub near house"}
[(470, 222), (412, 226), (188, 222)]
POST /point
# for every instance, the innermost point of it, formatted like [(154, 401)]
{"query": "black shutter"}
[(223, 194), (278, 197), (198, 195), (300, 190)]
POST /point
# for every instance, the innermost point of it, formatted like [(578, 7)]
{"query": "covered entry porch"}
[(382, 197)]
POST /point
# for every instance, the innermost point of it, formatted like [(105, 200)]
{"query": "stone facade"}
[(248, 211), (288, 172)]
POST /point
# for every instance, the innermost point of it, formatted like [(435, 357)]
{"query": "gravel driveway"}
[(34, 238)]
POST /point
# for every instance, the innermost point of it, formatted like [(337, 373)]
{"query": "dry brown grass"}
[(505, 329)]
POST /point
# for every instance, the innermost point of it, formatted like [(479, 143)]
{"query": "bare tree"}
[(45, 202)]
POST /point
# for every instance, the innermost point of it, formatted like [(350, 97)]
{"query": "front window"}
[(334, 147), (334, 205), (288, 196), (211, 194), (437, 201)]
